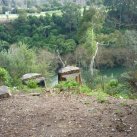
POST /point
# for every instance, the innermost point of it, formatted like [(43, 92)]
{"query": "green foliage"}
[(130, 79), (4, 45), (90, 42), (32, 84), (48, 31), (22, 16), (67, 84), (130, 39), (71, 15), (73, 86), (20, 60), (52, 5), (90, 25), (118, 89), (100, 95), (4, 77), (121, 14), (114, 39), (113, 83), (109, 86), (74, 33), (114, 58), (94, 2), (84, 89)]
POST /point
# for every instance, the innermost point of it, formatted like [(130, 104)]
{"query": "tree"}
[(4, 45), (94, 2), (91, 25), (94, 19), (122, 13), (55, 4), (18, 60), (71, 16)]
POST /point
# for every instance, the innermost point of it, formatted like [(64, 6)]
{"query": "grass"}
[(14, 16), (101, 96), (25, 89)]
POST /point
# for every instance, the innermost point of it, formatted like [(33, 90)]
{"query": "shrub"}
[(4, 77), (119, 90), (20, 60), (130, 78), (84, 89), (32, 84), (73, 86), (113, 83), (65, 85)]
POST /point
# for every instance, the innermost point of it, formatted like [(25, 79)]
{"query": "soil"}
[(65, 115)]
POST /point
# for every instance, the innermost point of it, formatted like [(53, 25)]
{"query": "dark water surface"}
[(115, 72)]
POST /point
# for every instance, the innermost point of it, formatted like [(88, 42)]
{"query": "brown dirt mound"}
[(66, 115)]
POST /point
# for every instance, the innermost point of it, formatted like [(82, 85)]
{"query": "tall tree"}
[(122, 13), (91, 25), (71, 14)]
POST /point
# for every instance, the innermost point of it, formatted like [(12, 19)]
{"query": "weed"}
[(85, 89), (32, 84), (4, 77), (100, 96)]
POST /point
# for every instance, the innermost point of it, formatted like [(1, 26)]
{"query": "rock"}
[(113, 130), (35, 94), (50, 90), (30, 76), (34, 76), (4, 92)]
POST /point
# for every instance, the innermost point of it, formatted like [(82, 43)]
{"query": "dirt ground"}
[(64, 115)]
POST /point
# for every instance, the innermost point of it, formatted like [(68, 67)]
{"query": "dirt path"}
[(66, 116)]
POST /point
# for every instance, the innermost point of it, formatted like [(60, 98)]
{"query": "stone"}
[(35, 94), (34, 76), (4, 92)]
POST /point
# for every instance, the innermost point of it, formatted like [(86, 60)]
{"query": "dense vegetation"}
[(73, 35)]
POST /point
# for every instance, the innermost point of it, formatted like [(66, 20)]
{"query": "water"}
[(54, 81), (115, 72), (106, 74)]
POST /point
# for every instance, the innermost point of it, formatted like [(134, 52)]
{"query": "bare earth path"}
[(66, 116)]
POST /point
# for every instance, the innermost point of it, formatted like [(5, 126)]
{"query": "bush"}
[(113, 83), (68, 85), (32, 84), (119, 90), (85, 89), (4, 77), (72, 85), (20, 60)]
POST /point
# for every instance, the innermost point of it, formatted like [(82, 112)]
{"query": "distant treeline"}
[(35, 5), (76, 32)]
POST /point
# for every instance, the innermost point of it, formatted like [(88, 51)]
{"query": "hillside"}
[(71, 69), (25, 3), (52, 115)]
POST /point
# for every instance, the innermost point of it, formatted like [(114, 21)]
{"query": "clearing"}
[(4, 19), (66, 115)]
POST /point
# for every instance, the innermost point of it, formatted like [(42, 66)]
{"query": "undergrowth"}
[(112, 88)]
